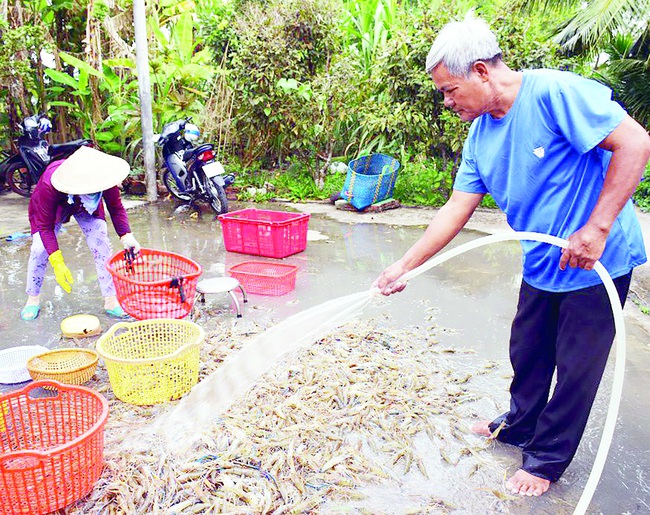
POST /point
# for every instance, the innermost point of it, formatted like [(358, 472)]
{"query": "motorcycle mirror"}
[(44, 125), (30, 123)]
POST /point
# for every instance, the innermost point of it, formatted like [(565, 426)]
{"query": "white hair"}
[(460, 44)]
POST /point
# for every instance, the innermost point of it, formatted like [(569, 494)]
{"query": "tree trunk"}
[(93, 52), (12, 115), (17, 90), (61, 113), (4, 9), (321, 173), (40, 83)]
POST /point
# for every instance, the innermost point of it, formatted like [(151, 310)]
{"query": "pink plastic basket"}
[(265, 278), (260, 232)]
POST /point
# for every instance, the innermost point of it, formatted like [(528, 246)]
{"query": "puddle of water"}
[(468, 302)]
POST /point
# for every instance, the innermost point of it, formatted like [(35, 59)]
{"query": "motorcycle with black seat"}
[(23, 169), (192, 173)]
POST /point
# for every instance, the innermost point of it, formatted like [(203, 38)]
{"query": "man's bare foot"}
[(524, 483), (482, 428)]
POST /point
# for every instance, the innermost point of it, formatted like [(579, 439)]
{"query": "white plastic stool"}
[(221, 285)]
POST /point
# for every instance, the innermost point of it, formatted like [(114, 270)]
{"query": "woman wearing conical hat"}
[(77, 187)]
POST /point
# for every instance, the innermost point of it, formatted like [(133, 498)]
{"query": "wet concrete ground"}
[(471, 299)]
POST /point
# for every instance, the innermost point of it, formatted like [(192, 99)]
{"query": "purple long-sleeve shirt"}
[(48, 206)]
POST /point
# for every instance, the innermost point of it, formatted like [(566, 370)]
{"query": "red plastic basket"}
[(51, 446), (260, 232), (265, 278), (156, 284)]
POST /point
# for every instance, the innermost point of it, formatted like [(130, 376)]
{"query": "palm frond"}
[(549, 6), (599, 19), (630, 81), (620, 46)]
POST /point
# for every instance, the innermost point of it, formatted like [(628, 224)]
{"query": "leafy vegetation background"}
[(286, 88)]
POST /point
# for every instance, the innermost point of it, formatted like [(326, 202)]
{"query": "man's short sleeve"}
[(584, 111), (467, 178)]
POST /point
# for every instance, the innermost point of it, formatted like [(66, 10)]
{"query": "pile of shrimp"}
[(318, 426)]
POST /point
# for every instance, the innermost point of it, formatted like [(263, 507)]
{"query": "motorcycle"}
[(192, 173), (23, 169)]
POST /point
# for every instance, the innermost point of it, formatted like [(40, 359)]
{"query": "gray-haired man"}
[(561, 158)]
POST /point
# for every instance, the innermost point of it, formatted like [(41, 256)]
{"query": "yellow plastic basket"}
[(68, 366), (151, 361)]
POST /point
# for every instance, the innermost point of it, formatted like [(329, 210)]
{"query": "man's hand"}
[(586, 246), (387, 283), (61, 271)]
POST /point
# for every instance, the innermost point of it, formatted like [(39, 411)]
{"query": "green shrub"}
[(294, 184), (281, 46), (402, 110), (426, 183)]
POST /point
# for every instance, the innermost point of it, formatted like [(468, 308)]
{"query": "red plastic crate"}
[(261, 232), (265, 278)]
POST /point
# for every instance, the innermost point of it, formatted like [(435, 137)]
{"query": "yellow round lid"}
[(80, 326)]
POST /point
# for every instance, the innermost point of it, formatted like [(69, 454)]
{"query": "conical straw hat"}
[(89, 171)]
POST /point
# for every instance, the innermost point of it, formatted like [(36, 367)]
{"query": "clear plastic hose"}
[(619, 325)]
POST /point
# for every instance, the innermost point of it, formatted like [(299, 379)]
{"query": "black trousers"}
[(573, 332)]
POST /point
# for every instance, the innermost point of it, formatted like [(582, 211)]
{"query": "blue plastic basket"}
[(370, 179)]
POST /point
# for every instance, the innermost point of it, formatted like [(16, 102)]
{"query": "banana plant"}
[(368, 26), (179, 72), (121, 102)]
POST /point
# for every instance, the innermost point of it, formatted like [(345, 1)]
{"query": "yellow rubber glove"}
[(61, 272)]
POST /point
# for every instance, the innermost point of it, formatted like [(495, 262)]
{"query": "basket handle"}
[(52, 383), (7, 458), (117, 326)]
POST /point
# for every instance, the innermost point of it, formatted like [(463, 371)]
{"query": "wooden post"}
[(144, 90)]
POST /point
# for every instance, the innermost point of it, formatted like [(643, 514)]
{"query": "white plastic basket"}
[(13, 363)]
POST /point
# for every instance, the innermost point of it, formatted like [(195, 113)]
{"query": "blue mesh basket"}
[(370, 179)]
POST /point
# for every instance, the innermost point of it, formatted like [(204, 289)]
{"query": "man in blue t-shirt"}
[(560, 158)]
